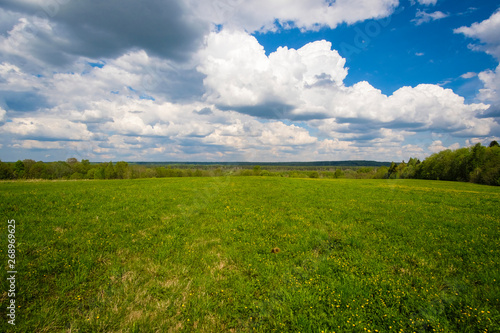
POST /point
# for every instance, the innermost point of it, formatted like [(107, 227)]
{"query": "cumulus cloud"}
[(57, 31), (433, 107), (487, 33), (491, 89), (35, 144), (307, 84), (47, 128), (241, 77), (85, 85), (438, 146)]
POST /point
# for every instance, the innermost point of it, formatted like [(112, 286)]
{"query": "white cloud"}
[(230, 102), (60, 31), (238, 73), (491, 89), (434, 108), (35, 144), (47, 128), (261, 15), (468, 75), (2, 114), (15, 79), (427, 2), (308, 84), (328, 146), (413, 151), (437, 146), (487, 32), (424, 17), (46, 35), (277, 133)]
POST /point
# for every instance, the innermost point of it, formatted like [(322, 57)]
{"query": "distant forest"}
[(477, 164)]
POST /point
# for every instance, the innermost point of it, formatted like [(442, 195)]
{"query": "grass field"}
[(194, 254)]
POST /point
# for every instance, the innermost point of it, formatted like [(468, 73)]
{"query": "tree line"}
[(477, 164), (84, 169)]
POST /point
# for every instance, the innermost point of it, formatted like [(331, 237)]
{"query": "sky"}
[(247, 80)]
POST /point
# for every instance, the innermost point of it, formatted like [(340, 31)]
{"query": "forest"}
[(476, 164)]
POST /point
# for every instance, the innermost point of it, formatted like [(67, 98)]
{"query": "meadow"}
[(195, 254)]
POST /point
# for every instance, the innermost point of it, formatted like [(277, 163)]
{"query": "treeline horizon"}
[(476, 164)]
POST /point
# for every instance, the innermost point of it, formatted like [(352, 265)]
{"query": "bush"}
[(314, 174), (245, 172), (76, 175), (381, 172)]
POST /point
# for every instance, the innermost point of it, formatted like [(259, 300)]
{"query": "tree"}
[(392, 170), (338, 173), (477, 161), (314, 174), (38, 170), (71, 161), (400, 169), (381, 172), (74, 164), (28, 164), (6, 171), (109, 171), (494, 143), (76, 175), (490, 174), (413, 161), (58, 170), (121, 169), (90, 174), (19, 169), (84, 166), (99, 173)]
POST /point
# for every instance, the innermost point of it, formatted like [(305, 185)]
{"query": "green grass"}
[(194, 254)]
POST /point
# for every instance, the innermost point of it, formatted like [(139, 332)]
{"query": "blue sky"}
[(399, 52), (253, 80)]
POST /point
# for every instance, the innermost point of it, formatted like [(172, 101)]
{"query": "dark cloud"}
[(193, 146), (492, 112), (181, 85), (272, 110), (43, 138), (22, 101), (132, 140), (204, 112), (357, 125), (94, 122), (7, 20), (96, 28), (275, 111), (308, 116)]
